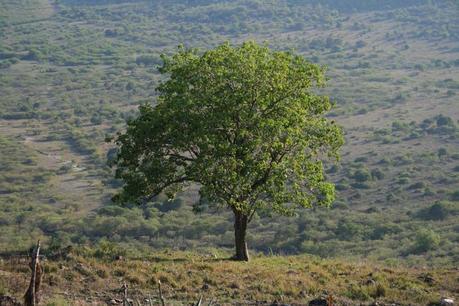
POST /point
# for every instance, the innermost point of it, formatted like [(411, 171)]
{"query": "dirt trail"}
[(71, 182)]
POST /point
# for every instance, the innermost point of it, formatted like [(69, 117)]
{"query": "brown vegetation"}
[(185, 277)]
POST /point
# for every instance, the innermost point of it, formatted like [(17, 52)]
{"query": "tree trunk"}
[(240, 228)]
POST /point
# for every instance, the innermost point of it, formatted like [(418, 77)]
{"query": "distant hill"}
[(71, 74), (341, 5)]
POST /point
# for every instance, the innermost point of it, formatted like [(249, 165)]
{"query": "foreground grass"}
[(82, 279)]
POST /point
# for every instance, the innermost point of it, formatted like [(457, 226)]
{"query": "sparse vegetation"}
[(185, 276), (72, 72)]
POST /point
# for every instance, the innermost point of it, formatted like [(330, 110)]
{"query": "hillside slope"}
[(185, 277)]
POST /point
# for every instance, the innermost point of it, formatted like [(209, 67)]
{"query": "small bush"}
[(377, 291), (362, 175), (359, 185), (418, 185), (442, 152), (57, 301), (437, 211), (356, 292), (377, 174), (455, 196), (108, 250), (426, 240)]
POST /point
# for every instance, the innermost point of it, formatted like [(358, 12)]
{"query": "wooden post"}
[(199, 302), (125, 294), (163, 302), (31, 296), (330, 300), (150, 300)]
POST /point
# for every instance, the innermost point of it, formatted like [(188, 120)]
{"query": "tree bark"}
[(240, 229)]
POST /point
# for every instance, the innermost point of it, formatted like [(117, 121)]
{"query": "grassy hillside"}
[(72, 73), (91, 277)]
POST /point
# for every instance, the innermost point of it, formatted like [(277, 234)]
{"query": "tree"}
[(244, 123)]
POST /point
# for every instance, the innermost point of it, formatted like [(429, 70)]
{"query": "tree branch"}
[(167, 184)]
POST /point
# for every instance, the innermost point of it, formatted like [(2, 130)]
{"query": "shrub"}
[(361, 159), (444, 120), (385, 229), (108, 250), (377, 174), (455, 195), (148, 60), (362, 175), (378, 290), (403, 181), (348, 230), (426, 240), (418, 185), (334, 169), (341, 186), (442, 152), (360, 185), (437, 211), (356, 292)]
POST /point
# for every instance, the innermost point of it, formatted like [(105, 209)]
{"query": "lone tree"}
[(242, 122)]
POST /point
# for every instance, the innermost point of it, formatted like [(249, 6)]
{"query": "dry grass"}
[(84, 280)]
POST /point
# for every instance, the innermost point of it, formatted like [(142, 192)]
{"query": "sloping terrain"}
[(90, 277), (71, 73)]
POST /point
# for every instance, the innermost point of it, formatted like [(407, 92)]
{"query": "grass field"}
[(185, 277)]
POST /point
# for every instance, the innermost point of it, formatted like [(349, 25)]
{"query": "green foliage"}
[(349, 230), (148, 60), (108, 250), (426, 240), (442, 152), (377, 174), (438, 211), (240, 121), (357, 292), (444, 120), (362, 175), (455, 195)]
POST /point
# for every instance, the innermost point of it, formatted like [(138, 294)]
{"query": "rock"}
[(8, 301), (234, 285), (370, 282), (205, 287), (303, 293), (318, 302), (447, 302), (276, 303), (427, 278), (112, 302)]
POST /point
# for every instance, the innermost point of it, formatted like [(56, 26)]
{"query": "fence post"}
[(31, 297)]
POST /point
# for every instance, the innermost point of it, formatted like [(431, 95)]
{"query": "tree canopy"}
[(244, 122)]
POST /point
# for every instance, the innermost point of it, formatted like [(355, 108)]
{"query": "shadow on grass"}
[(164, 259)]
